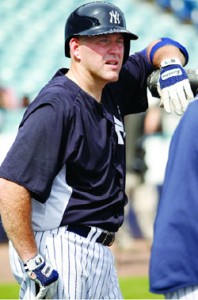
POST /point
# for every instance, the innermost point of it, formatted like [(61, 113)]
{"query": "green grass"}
[(137, 288), (131, 287), (9, 291)]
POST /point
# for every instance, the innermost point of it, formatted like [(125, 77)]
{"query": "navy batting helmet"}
[(97, 18)]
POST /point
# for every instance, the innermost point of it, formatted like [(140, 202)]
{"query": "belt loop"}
[(94, 234)]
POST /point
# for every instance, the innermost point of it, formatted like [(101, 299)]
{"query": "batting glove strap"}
[(34, 263), (174, 87), (43, 274)]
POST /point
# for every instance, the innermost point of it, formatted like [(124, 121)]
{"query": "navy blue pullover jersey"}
[(174, 255), (70, 150)]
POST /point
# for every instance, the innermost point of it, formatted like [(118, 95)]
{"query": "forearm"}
[(165, 52), (15, 210)]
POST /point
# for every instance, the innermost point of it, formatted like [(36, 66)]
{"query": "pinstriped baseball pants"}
[(86, 268), (187, 293)]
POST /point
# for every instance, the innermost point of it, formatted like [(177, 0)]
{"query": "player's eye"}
[(120, 41), (104, 40)]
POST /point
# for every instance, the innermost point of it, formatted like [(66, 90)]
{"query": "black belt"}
[(105, 238)]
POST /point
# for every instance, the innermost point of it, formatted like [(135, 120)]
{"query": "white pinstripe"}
[(187, 293), (86, 268)]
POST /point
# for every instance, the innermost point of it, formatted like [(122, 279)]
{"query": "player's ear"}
[(74, 47)]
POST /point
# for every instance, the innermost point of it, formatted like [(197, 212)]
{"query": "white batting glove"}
[(44, 276), (174, 86)]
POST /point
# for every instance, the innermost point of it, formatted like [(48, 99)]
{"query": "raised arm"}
[(173, 87)]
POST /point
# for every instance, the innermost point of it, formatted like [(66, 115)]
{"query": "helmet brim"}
[(128, 35), (99, 31)]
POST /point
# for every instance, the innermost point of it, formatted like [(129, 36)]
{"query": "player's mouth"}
[(112, 62)]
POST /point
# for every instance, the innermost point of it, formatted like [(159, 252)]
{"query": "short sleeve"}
[(33, 160)]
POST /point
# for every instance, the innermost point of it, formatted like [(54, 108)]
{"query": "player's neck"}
[(87, 83)]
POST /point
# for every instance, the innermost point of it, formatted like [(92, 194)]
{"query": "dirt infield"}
[(133, 261), (130, 262)]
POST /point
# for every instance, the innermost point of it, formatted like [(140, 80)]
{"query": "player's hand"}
[(174, 87), (44, 276)]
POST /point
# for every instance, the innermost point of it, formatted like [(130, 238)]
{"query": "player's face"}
[(102, 56)]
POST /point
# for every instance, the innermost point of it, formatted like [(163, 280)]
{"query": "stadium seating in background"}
[(163, 3), (32, 36), (194, 14), (185, 10)]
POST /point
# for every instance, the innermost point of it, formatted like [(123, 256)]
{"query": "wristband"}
[(167, 41), (170, 61)]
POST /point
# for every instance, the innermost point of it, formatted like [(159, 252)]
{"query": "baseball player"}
[(174, 258), (62, 186)]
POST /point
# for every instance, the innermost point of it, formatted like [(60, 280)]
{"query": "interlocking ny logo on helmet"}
[(115, 17), (97, 18)]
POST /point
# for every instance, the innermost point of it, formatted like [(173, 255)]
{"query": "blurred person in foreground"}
[(62, 187), (174, 258)]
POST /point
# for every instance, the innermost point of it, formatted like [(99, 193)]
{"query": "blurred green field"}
[(132, 288), (136, 288)]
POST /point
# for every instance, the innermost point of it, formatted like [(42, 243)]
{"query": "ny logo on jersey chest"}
[(119, 128), (114, 17)]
